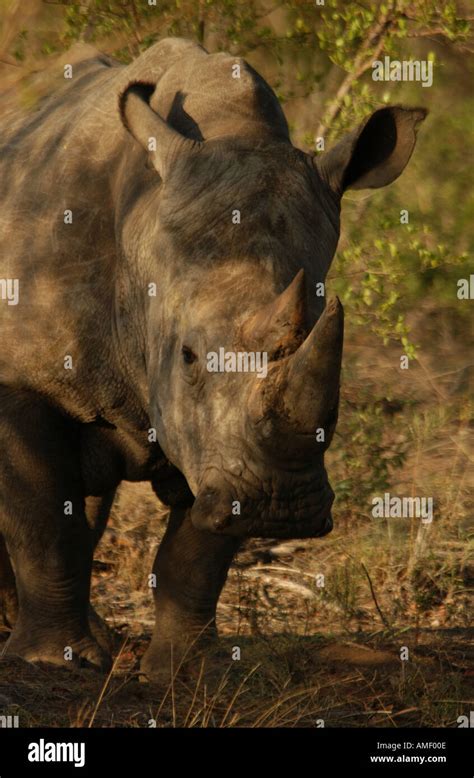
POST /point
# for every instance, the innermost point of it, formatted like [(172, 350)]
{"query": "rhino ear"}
[(158, 139), (375, 154)]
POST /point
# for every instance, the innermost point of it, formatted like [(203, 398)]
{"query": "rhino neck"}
[(130, 300)]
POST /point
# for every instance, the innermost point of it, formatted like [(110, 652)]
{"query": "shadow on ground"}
[(286, 680)]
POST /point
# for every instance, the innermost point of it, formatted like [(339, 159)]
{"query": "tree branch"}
[(363, 61), (201, 22), (12, 64)]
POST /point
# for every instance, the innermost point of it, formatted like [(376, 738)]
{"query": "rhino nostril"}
[(221, 521)]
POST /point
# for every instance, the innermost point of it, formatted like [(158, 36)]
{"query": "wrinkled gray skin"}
[(164, 217)]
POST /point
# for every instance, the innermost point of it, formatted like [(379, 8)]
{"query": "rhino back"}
[(63, 157)]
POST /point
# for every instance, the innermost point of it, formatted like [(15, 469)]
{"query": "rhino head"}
[(246, 440)]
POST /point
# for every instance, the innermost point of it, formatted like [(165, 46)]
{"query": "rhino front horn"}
[(314, 369)]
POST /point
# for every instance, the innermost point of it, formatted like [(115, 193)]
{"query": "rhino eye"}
[(188, 355)]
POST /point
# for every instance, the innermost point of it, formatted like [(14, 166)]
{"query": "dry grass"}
[(284, 681)]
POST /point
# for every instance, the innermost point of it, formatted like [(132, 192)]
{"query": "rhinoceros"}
[(153, 215)]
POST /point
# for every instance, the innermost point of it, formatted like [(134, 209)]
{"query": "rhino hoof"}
[(86, 653), (154, 669), (187, 661), (160, 666)]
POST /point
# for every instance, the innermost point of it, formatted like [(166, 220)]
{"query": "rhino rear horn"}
[(278, 327), (158, 139)]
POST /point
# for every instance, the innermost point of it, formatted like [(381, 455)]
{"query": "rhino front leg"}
[(43, 519), (191, 568), (97, 513)]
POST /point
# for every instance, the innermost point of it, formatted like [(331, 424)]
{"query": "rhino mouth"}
[(288, 518), (314, 524), (292, 512)]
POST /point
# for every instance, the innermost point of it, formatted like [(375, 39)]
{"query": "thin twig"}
[(107, 681), (372, 591), (376, 36)]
